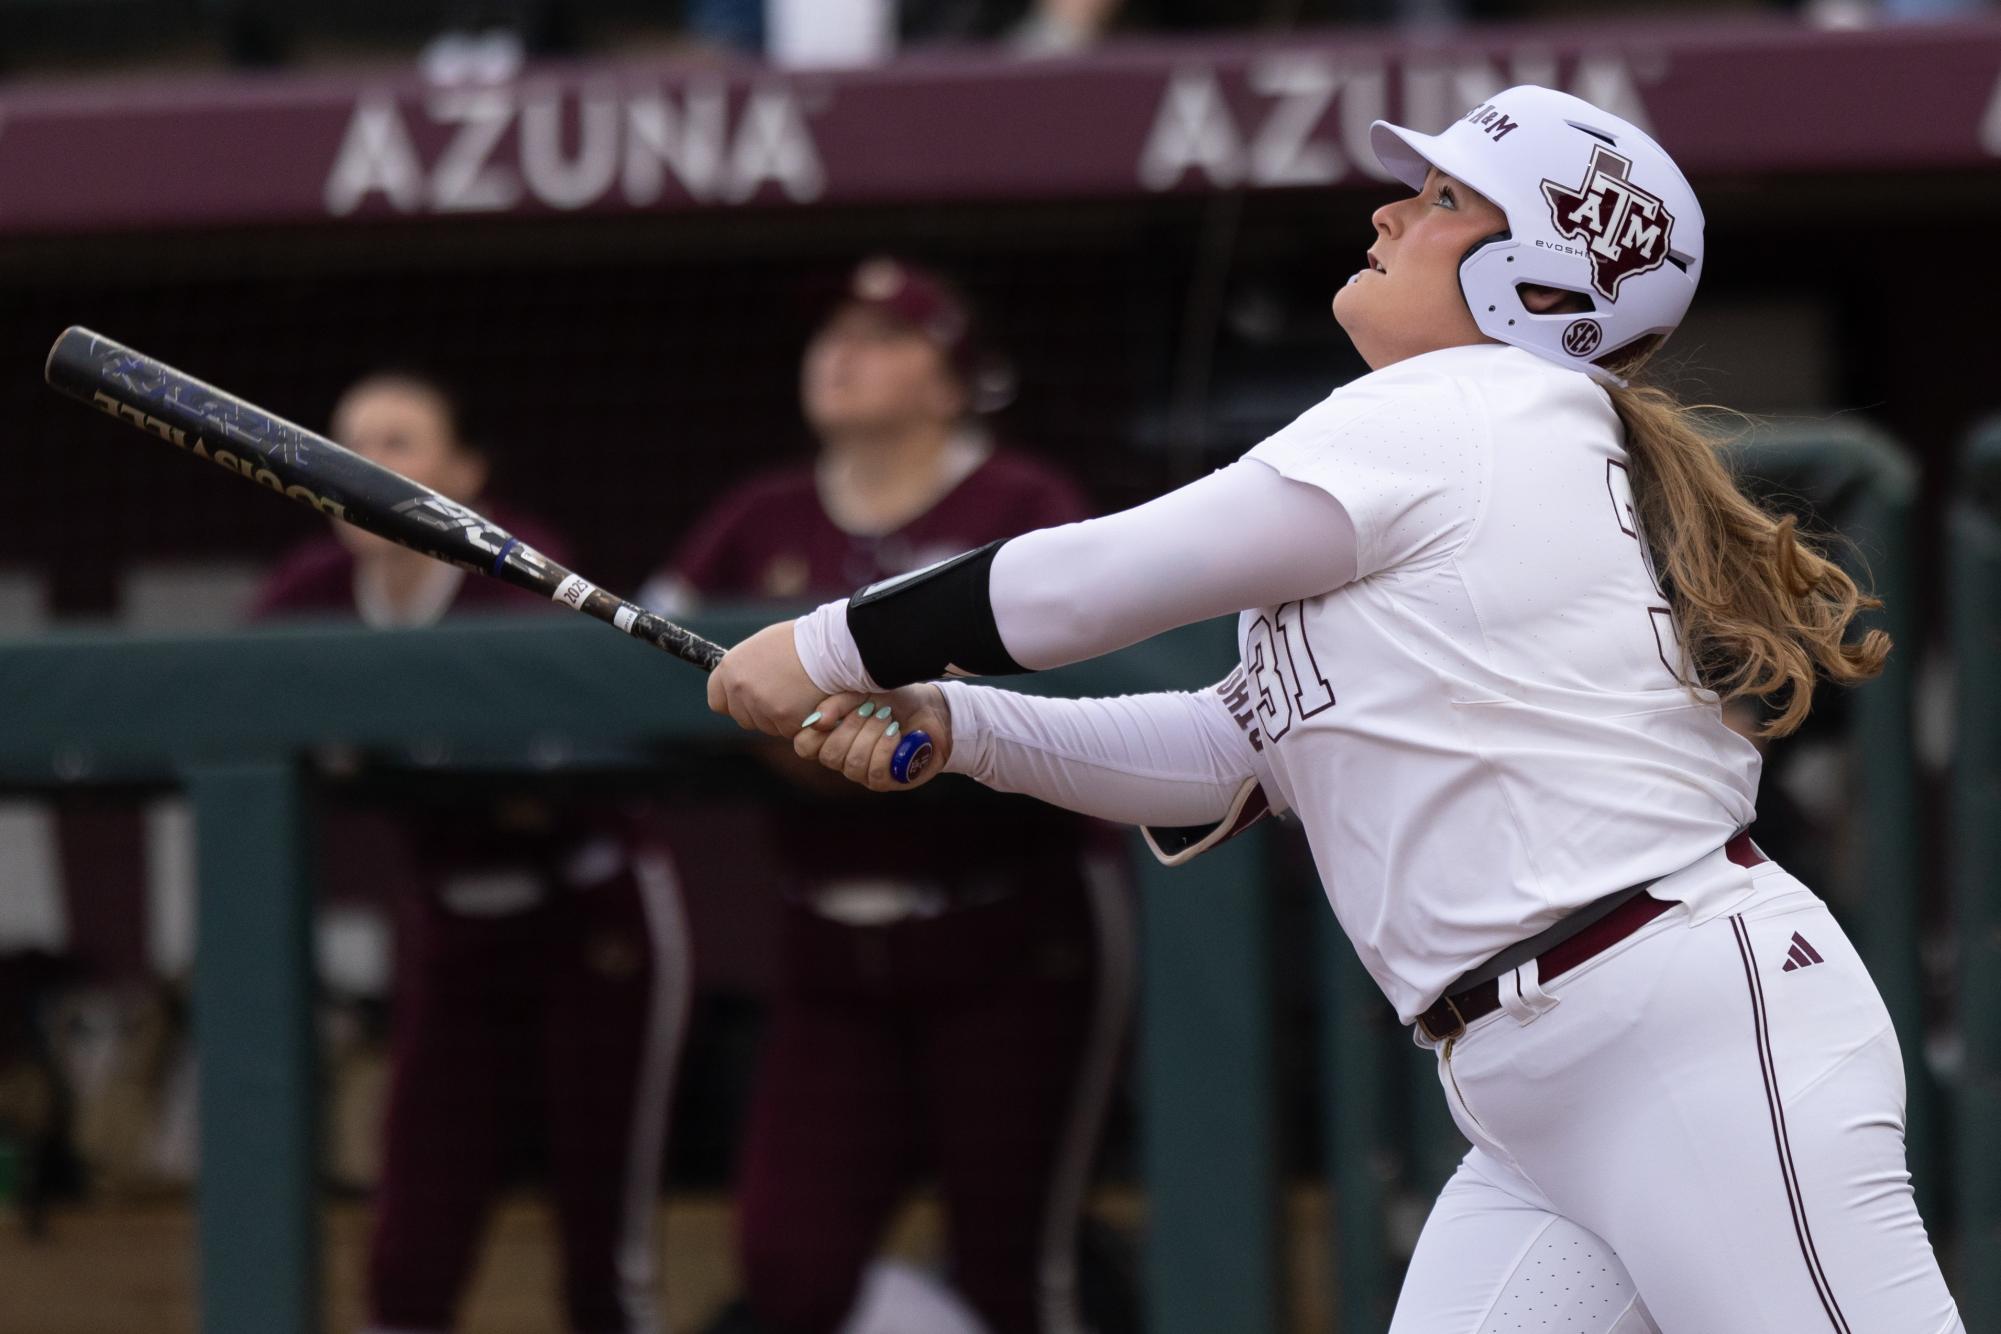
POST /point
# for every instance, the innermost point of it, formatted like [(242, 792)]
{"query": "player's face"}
[(1406, 300), (867, 372), (404, 428)]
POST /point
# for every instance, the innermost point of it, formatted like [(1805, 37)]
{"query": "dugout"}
[(1153, 231)]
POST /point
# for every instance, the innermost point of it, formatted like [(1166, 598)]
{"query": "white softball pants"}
[(1683, 1134)]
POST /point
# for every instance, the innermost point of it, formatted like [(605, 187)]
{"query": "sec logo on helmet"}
[(1582, 338), (1625, 228)]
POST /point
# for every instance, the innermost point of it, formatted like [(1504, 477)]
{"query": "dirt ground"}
[(129, 1269), (122, 1269)]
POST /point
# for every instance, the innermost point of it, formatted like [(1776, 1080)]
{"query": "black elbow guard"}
[(933, 622)]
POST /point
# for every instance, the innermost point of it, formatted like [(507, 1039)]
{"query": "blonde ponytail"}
[(1761, 609)]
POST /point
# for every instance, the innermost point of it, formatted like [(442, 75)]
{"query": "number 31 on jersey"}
[(1285, 678)]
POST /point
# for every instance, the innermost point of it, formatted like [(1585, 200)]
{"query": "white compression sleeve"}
[(828, 652), (1241, 537), (1164, 759)]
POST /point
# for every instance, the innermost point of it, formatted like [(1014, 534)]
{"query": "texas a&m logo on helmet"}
[(1625, 229)]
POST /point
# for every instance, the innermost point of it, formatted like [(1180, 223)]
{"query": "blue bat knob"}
[(913, 754)]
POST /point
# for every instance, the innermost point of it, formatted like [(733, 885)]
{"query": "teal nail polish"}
[(894, 728), (811, 718), (882, 714), (867, 710)]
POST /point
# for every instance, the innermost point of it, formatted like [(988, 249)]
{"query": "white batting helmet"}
[(1594, 207)]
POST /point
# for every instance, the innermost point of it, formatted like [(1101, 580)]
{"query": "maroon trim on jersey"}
[(1256, 809), (1787, 1171), (1744, 852)]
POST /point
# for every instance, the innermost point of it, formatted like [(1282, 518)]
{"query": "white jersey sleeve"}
[(1406, 457), (1065, 594), (1061, 595)]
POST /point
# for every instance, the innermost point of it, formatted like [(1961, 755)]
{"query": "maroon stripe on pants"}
[(1769, 1068)]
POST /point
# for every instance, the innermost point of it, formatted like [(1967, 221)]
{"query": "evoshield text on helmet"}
[(1594, 207)]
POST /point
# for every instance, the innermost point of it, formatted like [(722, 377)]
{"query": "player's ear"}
[(1545, 300)]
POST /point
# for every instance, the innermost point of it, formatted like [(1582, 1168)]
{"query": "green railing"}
[(1975, 592), (233, 720)]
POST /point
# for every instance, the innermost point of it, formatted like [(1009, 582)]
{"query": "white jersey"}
[(1485, 730)]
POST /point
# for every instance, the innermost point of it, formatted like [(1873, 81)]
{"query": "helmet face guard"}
[(1594, 207)]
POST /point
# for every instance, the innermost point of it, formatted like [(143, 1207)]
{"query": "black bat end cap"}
[(77, 337)]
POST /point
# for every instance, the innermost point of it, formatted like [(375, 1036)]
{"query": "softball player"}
[(1496, 594)]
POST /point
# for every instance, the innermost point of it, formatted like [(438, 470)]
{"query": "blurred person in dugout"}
[(935, 1012), (541, 966)]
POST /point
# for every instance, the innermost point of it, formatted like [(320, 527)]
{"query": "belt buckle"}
[(1458, 1019)]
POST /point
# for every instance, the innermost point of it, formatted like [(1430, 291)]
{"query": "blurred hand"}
[(761, 685), (855, 735)]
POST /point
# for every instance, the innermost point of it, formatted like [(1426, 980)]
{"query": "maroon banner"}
[(1730, 97)]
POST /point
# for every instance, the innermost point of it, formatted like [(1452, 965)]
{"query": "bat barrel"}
[(302, 465), (200, 419)]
